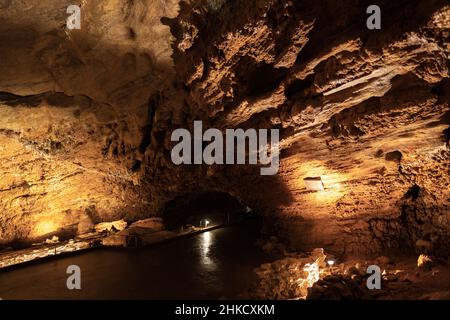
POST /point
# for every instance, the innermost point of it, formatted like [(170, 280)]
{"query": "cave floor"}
[(401, 279), (218, 264), (414, 283)]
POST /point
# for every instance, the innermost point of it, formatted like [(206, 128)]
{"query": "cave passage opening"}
[(204, 209)]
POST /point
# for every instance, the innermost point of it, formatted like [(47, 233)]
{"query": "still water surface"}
[(212, 265)]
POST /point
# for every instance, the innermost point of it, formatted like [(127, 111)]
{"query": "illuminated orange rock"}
[(86, 116)]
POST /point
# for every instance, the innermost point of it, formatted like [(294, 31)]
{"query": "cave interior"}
[(86, 118)]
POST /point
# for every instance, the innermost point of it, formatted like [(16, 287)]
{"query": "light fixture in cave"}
[(204, 223), (314, 183), (330, 263)]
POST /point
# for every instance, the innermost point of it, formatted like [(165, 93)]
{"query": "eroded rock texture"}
[(86, 116), (74, 112)]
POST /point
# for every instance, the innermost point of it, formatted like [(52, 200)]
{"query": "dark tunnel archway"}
[(191, 209)]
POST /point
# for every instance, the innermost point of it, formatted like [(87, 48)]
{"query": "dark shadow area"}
[(416, 208), (13, 100), (260, 78), (194, 209), (216, 264), (398, 18), (300, 88)]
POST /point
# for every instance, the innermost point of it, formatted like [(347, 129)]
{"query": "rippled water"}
[(212, 265)]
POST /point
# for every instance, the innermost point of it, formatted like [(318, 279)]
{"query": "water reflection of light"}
[(206, 240)]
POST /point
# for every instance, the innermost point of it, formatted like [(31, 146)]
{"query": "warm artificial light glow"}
[(423, 260), (328, 183), (204, 223), (330, 262), (313, 273), (45, 227), (206, 241)]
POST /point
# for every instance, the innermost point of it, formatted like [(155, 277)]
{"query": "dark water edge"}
[(213, 265)]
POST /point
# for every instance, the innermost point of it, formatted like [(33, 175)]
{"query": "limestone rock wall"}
[(74, 108), (87, 116), (368, 111)]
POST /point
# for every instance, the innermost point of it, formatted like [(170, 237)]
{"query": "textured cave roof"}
[(86, 116)]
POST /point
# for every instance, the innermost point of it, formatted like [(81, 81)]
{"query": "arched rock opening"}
[(190, 209)]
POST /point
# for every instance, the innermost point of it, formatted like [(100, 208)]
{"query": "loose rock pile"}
[(290, 277), (309, 276)]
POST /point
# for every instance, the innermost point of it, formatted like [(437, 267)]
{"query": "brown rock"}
[(86, 116)]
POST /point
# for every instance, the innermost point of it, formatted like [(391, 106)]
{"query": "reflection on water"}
[(206, 240), (211, 265)]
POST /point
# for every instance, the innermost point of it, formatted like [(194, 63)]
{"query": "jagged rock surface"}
[(368, 111)]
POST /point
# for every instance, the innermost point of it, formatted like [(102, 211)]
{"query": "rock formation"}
[(86, 115)]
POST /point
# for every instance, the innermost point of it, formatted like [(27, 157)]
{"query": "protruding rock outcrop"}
[(366, 111)]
